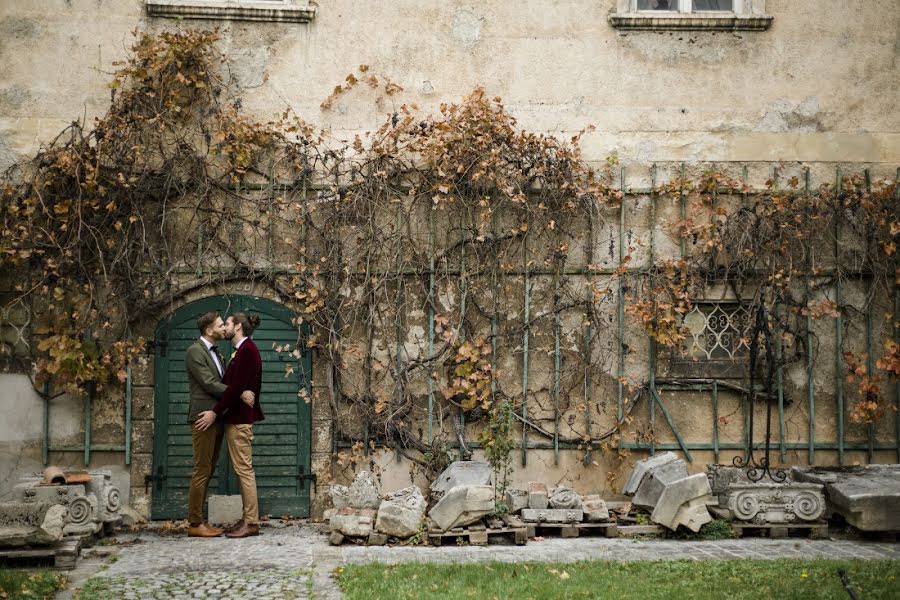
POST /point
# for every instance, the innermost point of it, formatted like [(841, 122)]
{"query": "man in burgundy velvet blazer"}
[(244, 372)]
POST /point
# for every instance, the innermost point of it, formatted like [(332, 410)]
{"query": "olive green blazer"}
[(204, 381)]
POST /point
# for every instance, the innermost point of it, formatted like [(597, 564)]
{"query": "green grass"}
[(30, 584), (643, 580), (717, 529)]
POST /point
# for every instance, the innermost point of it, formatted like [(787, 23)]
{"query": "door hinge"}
[(303, 477), (158, 478)]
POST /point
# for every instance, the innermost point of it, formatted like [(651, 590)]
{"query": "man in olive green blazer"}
[(205, 367)]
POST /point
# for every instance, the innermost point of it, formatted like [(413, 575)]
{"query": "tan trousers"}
[(206, 444), (240, 448)]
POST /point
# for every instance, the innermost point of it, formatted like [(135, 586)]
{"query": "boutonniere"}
[(232, 355)]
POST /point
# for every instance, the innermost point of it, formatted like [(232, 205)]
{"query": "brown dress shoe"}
[(235, 527), (204, 530), (245, 530)]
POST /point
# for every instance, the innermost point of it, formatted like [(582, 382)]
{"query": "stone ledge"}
[(243, 10), (690, 22)]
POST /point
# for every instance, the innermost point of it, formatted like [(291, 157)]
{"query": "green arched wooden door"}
[(281, 444)]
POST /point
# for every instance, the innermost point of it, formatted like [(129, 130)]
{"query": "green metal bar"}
[(431, 243), (894, 320), (739, 446), (745, 400), (665, 412), (810, 359), (588, 344), (683, 210), (556, 368), (870, 346), (199, 270), (896, 317), (588, 339), (715, 415), (651, 398), (780, 379), (92, 448), (464, 283), (45, 438), (527, 329), (620, 308), (839, 321), (88, 402), (128, 400)]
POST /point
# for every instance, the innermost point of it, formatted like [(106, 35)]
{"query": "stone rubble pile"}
[(361, 512), (47, 508), (661, 484)]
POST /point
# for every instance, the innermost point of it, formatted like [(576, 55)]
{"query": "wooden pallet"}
[(62, 555), (483, 532), (572, 530), (780, 530), (632, 530)]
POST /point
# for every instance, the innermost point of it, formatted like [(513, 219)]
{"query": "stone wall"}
[(815, 90)]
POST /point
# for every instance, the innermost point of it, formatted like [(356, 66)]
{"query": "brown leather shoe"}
[(245, 530), (204, 530), (235, 527)]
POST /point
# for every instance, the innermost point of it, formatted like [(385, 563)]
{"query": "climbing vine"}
[(431, 258)]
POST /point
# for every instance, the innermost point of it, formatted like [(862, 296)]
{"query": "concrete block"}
[(693, 514), (595, 509), (462, 505), (675, 495), (225, 509), (656, 480), (642, 467), (515, 500), (538, 497), (461, 472), (401, 513), (868, 497), (353, 522), (553, 515)]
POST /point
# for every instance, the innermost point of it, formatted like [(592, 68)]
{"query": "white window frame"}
[(278, 11), (687, 7), (746, 15)]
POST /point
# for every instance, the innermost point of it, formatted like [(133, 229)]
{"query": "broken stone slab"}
[(538, 497), (462, 505), (31, 523), (655, 481), (564, 497), (340, 496), (552, 515), (461, 472), (868, 496), (401, 513), (694, 513), (353, 522), (595, 509), (515, 500), (776, 502), (642, 467), (363, 493), (675, 495)]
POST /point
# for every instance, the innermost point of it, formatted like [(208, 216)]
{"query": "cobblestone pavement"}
[(297, 562)]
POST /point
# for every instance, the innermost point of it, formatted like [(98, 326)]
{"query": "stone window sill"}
[(690, 22), (242, 10)]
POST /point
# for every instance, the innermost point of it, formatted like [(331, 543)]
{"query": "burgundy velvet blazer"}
[(244, 372)]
